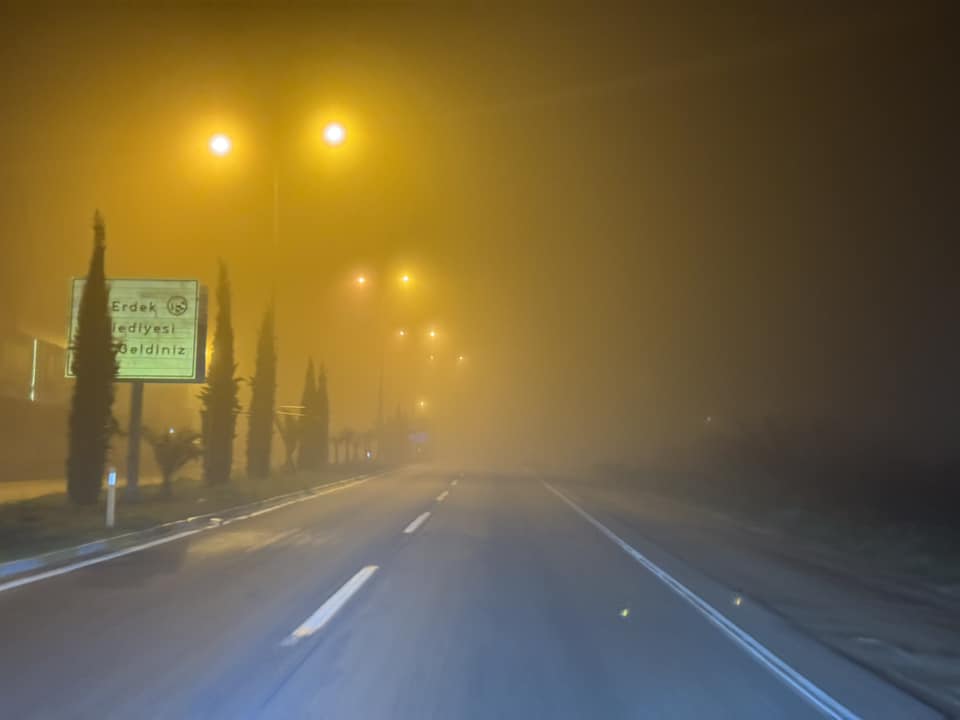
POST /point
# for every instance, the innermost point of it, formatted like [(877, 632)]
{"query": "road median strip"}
[(23, 571)]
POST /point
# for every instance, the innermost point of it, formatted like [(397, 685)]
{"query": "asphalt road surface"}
[(503, 602)]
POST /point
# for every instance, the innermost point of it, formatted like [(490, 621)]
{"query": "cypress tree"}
[(95, 367), (220, 395), (309, 452), (264, 382), (323, 418)]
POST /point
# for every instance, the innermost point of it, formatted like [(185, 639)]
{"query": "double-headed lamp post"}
[(221, 145)]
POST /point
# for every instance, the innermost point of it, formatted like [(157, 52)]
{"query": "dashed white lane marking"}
[(325, 612), (421, 519), (442, 496), (453, 482), (806, 689)]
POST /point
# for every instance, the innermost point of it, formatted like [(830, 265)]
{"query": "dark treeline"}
[(775, 468)]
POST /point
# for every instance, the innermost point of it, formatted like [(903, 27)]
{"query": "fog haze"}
[(637, 226)]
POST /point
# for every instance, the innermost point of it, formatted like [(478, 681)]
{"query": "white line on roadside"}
[(421, 519), (10, 585), (453, 482), (442, 496), (325, 612), (93, 561), (810, 692), (266, 510)]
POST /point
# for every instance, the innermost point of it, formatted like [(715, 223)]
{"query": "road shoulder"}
[(787, 609)]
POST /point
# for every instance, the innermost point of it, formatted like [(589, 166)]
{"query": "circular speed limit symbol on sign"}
[(177, 305)]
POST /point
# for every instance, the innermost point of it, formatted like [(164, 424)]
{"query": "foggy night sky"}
[(628, 219)]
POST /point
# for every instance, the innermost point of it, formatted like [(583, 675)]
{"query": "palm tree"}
[(289, 428), (349, 444), (172, 450)]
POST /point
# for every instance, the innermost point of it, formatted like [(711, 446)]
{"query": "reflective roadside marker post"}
[(111, 496)]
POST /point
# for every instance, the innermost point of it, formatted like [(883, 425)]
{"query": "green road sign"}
[(159, 327)]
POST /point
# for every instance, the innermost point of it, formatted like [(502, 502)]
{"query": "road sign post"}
[(133, 441), (159, 329)]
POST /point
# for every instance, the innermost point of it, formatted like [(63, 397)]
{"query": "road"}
[(504, 602)]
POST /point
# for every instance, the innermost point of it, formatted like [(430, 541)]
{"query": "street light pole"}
[(380, 406), (221, 145), (383, 361), (382, 323), (276, 206)]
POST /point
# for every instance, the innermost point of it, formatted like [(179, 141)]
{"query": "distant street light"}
[(432, 333), (220, 144), (334, 134), (374, 284)]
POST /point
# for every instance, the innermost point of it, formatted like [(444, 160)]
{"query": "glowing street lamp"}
[(361, 280), (220, 144), (401, 332), (404, 279), (334, 134), (432, 334)]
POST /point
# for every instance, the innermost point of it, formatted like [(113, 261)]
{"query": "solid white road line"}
[(296, 500), (153, 543), (325, 612), (93, 561), (442, 496), (810, 692), (412, 527)]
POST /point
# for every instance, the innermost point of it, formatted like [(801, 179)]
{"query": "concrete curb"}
[(45, 561)]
